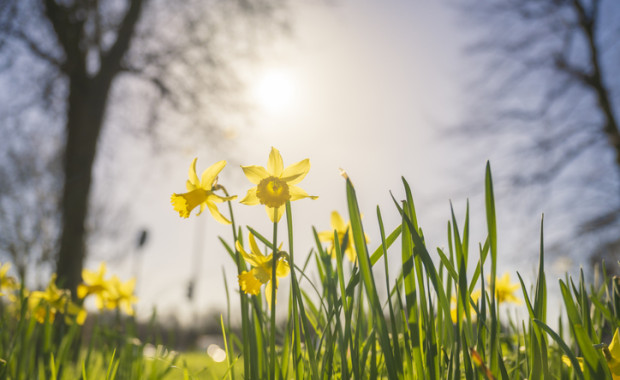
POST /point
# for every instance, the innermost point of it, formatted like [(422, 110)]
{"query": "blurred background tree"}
[(548, 92), (66, 65)]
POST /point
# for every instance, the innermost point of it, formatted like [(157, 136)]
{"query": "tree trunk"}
[(86, 108)]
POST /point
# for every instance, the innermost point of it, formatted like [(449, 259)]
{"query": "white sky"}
[(374, 80)]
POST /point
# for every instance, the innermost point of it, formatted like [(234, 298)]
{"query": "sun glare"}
[(275, 91)]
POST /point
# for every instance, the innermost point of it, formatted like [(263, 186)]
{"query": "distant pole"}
[(143, 236)]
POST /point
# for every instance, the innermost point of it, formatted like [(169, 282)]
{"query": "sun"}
[(275, 91)]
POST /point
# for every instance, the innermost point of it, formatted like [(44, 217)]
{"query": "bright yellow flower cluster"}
[(110, 294), (341, 229), (46, 304), (42, 305), (275, 186), (251, 281)]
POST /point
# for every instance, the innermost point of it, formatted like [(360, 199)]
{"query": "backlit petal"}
[(282, 268), (216, 213), (249, 258), (250, 198), (278, 216), (326, 236), (299, 193), (614, 346), (193, 178), (202, 208), (293, 174), (337, 223), (255, 173), (268, 293), (209, 175), (254, 246), (350, 252), (275, 165)]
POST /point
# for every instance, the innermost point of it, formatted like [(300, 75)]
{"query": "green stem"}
[(274, 257), (245, 323), (294, 292)]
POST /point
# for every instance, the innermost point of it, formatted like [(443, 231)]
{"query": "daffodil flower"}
[(46, 304), (94, 283), (475, 295), (341, 229), (504, 290), (200, 193), (7, 282), (275, 185), (251, 282), (612, 356), (121, 295)]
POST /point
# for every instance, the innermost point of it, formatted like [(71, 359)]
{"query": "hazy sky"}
[(371, 84)]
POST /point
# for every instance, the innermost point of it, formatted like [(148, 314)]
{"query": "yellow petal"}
[(248, 283), (350, 252), (293, 174), (282, 268), (209, 175), (82, 291), (255, 173), (614, 346), (326, 236), (193, 178), (185, 203), (270, 213), (201, 209), (337, 222), (299, 193), (254, 246), (4, 268), (216, 213), (255, 260), (268, 293), (275, 165), (250, 198)]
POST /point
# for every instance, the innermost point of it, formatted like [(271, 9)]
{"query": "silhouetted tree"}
[(68, 59), (549, 82)]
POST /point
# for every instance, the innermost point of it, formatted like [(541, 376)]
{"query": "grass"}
[(439, 314)]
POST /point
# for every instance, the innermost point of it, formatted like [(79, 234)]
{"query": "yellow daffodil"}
[(341, 229), (46, 304), (611, 353), (276, 185), (250, 282), (475, 295), (504, 290), (200, 193), (121, 295), (94, 283), (7, 282)]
